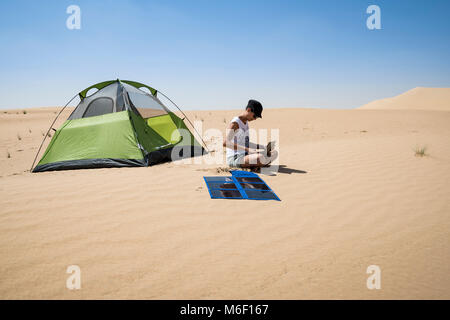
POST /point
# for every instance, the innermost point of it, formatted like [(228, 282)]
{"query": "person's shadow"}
[(281, 169), (284, 169)]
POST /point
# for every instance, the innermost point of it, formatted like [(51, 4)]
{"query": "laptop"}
[(270, 146)]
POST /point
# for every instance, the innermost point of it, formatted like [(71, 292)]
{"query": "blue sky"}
[(218, 54)]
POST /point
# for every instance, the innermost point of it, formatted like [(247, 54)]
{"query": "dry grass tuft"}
[(420, 151)]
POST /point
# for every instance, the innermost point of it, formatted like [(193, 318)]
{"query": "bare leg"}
[(257, 160), (268, 159)]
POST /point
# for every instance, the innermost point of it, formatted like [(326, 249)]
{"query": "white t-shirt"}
[(241, 138)]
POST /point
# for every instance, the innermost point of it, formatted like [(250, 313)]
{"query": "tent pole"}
[(50, 129), (186, 118)]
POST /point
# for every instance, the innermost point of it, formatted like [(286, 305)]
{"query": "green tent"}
[(120, 125)]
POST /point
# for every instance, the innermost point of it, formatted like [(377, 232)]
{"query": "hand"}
[(263, 149), (251, 150)]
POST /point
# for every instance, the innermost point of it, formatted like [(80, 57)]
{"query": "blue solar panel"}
[(241, 185)]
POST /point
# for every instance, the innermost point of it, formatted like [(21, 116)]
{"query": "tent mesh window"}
[(146, 104), (99, 107)]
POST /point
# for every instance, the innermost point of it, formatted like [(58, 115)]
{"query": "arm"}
[(228, 142), (256, 146)]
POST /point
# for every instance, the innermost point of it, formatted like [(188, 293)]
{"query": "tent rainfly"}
[(120, 125)]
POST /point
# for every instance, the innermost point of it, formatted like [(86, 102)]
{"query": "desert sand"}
[(415, 99), (353, 193)]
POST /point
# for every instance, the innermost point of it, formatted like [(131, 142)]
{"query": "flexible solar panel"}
[(241, 185)]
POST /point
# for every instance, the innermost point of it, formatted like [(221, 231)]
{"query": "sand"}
[(415, 99), (353, 193)]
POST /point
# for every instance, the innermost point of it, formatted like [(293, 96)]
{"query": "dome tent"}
[(119, 125)]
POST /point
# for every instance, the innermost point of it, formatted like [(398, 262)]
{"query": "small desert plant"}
[(43, 133), (19, 137), (29, 130), (224, 120), (8, 154), (24, 111), (420, 151), (49, 135)]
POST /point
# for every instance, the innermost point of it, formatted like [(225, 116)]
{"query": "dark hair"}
[(256, 107)]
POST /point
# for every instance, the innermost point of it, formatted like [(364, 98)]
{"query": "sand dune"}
[(353, 194), (415, 99)]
